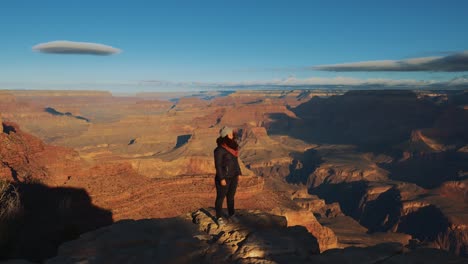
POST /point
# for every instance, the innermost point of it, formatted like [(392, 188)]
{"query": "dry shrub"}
[(10, 204), (10, 211)]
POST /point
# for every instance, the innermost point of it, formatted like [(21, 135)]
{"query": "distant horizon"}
[(246, 89)]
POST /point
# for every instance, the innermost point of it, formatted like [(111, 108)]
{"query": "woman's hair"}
[(228, 142)]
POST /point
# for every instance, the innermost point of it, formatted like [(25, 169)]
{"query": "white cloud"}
[(457, 62), (72, 47)]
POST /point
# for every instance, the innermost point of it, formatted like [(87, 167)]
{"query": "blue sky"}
[(221, 41)]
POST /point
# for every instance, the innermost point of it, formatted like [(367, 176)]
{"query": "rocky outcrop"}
[(346, 167), (256, 237), (325, 236), (314, 204), (351, 234), (263, 155)]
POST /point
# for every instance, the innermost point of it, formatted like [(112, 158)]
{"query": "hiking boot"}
[(233, 219)]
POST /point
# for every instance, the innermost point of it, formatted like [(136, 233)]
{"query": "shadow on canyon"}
[(348, 195), (384, 213), (54, 112), (384, 122), (48, 217), (371, 120), (302, 166), (8, 129), (430, 170)]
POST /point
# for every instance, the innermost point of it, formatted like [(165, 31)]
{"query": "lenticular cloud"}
[(72, 47), (457, 62)]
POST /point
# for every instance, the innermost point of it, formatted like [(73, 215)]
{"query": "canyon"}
[(326, 175)]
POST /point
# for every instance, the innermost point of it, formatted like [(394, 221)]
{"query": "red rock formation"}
[(325, 236), (316, 205), (263, 155), (25, 157), (346, 167)]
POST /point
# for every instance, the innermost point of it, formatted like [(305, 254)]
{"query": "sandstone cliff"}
[(24, 157)]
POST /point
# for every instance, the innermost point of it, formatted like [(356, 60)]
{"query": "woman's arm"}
[(218, 159)]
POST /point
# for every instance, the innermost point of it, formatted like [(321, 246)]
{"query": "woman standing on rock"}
[(227, 172)]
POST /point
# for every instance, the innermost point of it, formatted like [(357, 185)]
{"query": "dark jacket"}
[(227, 165)]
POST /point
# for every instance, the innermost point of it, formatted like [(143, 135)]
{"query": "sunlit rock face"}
[(25, 157), (253, 237)]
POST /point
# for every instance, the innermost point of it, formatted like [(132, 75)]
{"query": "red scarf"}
[(230, 150)]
